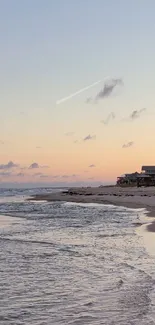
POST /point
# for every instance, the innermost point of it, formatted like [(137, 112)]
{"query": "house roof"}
[(148, 168)]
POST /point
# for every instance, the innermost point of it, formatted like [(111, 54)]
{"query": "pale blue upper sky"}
[(51, 48)]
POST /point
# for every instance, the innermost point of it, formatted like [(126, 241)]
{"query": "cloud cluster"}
[(7, 169), (12, 169), (128, 145), (9, 165), (89, 137)]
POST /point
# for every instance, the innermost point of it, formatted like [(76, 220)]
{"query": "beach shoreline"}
[(129, 197)]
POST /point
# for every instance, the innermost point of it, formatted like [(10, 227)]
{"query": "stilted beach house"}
[(145, 178)]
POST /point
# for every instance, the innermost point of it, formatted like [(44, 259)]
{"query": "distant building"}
[(145, 178), (128, 179), (148, 170)]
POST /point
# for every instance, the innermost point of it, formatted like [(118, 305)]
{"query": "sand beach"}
[(130, 197)]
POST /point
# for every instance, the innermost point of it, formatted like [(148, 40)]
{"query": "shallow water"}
[(66, 263)]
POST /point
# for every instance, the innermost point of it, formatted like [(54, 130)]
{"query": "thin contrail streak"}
[(77, 92)]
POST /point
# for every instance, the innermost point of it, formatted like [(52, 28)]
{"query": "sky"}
[(52, 49)]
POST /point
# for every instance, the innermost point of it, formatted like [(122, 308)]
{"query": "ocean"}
[(67, 263)]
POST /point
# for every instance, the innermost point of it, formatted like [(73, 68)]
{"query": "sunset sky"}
[(51, 49)]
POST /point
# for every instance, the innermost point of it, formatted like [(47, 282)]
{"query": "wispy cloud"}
[(136, 114), (107, 90), (65, 176), (56, 176), (38, 147), (20, 175), (128, 145), (69, 134), (37, 174), (75, 175), (5, 174), (92, 166), (12, 174), (110, 117), (70, 176), (89, 100), (1, 142), (23, 168), (44, 176), (34, 166), (9, 165), (89, 137)]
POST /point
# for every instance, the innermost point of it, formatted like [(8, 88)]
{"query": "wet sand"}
[(151, 227), (6, 221)]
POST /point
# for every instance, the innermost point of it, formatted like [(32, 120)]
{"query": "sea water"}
[(68, 263)]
